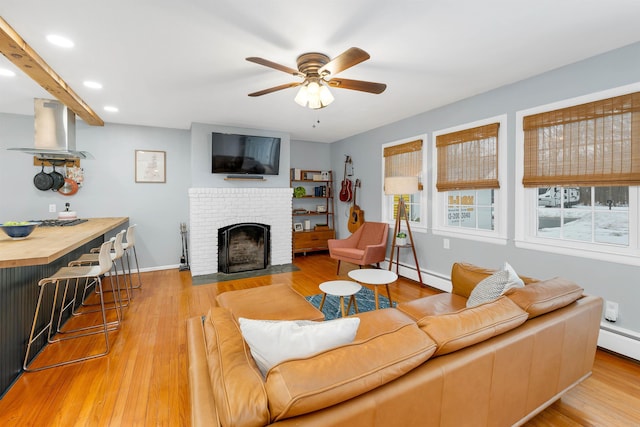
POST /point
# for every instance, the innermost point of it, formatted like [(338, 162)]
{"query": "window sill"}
[(472, 235), (603, 254)]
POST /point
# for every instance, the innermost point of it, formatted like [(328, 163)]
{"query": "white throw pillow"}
[(488, 289), (273, 341), (513, 281)]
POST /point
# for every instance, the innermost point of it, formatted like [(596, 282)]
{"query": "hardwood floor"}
[(143, 380)]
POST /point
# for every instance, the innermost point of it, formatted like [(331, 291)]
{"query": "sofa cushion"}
[(388, 345), (238, 387), (272, 302), (272, 341), (469, 326), (489, 288), (432, 305), (542, 297), (464, 277)]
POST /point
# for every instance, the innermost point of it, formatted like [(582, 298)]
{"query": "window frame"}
[(439, 200), (387, 201), (526, 199)]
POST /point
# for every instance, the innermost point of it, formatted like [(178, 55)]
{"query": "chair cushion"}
[(372, 233), (469, 326), (348, 253), (546, 296)]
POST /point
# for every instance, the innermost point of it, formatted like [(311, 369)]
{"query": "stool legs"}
[(48, 327)]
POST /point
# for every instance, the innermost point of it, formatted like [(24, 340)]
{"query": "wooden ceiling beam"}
[(24, 57)]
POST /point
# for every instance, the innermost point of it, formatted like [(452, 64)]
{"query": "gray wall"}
[(110, 188), (616, 282)]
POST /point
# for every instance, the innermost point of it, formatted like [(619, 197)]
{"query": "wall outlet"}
[(445, 243), (52, 208), (611, 311)]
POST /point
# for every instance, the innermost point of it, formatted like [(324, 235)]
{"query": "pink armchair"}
[(368, 245)]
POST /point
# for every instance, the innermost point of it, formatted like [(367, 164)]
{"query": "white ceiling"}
[(170, 63)]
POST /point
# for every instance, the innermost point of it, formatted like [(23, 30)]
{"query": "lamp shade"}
[(401, 185)]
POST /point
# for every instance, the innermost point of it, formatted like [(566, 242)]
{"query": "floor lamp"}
[(399, 186)]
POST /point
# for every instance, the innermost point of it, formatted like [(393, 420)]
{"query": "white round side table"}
[(376, 277), (341, 288)]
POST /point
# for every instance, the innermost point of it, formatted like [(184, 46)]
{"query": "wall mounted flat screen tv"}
[(244, 154)]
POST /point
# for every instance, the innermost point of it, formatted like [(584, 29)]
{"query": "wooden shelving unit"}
[(316, 206)]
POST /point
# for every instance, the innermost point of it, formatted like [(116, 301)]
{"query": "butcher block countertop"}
[(46, 244)]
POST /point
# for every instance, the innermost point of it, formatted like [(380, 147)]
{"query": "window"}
[(404, 158), (469, 162), (580, 174)]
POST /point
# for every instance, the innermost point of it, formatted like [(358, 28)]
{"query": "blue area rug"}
[(365, 299)]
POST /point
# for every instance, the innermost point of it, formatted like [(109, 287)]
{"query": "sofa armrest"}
[(203, 410)]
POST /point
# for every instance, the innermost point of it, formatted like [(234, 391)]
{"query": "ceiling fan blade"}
[(275, 89), (346, 59), (274, 65), (360, 85)]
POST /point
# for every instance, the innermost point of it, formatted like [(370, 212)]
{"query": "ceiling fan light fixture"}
[(302, 97), (314, 95), (326, 97)]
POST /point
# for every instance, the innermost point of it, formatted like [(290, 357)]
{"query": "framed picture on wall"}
[(151, 166)]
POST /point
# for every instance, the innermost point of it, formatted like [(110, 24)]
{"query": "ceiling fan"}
[(317, 71)]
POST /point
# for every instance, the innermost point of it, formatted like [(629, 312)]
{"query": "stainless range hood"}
[(55, 132)]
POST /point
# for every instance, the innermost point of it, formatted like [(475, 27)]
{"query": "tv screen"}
[(244, 154)]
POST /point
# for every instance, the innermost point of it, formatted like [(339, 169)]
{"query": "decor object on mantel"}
[(400, 186), (316, 69)]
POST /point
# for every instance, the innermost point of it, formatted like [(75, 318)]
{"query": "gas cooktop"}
[(60, 222)]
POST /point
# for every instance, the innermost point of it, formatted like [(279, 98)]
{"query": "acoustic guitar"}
[(345, 190), (356, 215)]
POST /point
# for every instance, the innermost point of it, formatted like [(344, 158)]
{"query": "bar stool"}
[(130, 245), (94, 273), (116, 253)]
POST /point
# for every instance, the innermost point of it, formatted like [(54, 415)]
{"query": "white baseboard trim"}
[(430, 278), (619, 340)]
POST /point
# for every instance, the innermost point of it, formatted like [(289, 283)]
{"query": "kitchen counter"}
[(46, 244), (22, 264)]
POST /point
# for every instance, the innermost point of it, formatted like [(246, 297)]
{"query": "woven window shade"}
[(593, 144), (404, 160), (468, 159)]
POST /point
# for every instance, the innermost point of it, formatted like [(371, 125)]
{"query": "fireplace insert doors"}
[(243, 247)]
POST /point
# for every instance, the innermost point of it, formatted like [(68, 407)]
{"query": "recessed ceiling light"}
[(59, 41), (111, 109), (92, 85), (6, 73)]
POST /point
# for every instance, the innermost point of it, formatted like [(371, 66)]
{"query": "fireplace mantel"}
[(214, 208)]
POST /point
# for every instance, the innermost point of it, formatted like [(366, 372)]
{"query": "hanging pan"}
[(43, 181), (58, 179)]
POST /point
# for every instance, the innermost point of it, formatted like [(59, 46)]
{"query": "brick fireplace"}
[(211, 209)]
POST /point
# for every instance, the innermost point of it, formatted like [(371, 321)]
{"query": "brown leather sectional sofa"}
[(429, 362)]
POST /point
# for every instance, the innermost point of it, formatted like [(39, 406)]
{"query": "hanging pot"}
[(43, 181), (58, 179)]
